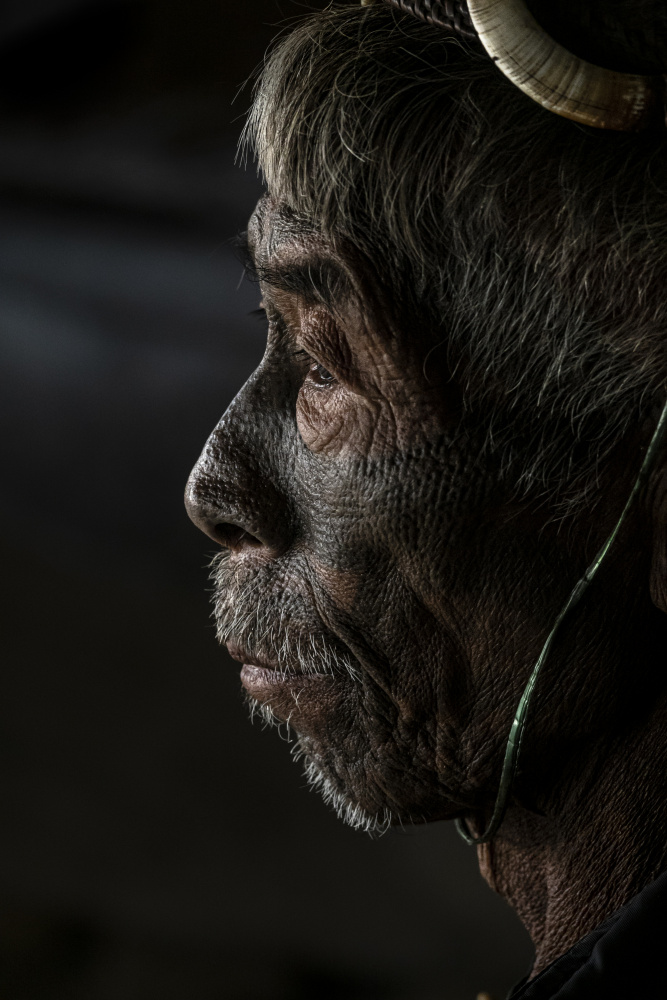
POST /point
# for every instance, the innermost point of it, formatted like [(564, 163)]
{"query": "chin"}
[(325, 782), (309, 709), (373, 767), (325, 720)]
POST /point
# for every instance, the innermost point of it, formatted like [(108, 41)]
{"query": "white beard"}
[(351, 814)]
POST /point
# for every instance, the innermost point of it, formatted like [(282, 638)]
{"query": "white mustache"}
[(273, 633)]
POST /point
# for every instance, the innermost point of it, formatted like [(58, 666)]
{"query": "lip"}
[(239, 654), (303, 698), (266, 682), (308, 703)]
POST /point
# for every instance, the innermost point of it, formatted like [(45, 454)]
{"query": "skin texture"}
[(360, 524)]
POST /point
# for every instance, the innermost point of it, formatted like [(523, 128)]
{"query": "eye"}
[(319, 375)]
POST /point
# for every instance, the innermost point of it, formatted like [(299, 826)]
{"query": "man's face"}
[(384, 597)]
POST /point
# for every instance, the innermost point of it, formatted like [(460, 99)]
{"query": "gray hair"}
[(534, 248)]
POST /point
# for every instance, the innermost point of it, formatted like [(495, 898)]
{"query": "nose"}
[(236, 507), (214, 522), (232, 493)]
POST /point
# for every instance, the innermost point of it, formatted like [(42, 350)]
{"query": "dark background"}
[(154, 845)]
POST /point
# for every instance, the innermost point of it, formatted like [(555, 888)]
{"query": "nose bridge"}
[(236, 480)]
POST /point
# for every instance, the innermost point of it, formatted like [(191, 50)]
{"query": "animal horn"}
[(557, 79)]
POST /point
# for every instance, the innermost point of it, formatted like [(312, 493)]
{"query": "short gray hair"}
[(535, 248)]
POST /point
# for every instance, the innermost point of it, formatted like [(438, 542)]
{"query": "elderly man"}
[(457, 418)]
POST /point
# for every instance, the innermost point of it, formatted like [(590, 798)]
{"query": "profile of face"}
[(386, 594)]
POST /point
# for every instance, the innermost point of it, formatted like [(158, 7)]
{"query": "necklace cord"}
[(513, 748)]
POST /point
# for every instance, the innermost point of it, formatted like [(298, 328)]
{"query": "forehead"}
[(274, 232), (288, 254)]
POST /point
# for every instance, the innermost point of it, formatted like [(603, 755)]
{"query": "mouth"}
[(294, 695), (260, 671), (241, 655)]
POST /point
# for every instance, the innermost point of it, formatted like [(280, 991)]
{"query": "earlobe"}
[(659, 554)]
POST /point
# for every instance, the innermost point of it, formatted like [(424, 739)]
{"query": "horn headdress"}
[(542, 68)]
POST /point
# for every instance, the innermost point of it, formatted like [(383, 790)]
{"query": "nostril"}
[(234, 537)]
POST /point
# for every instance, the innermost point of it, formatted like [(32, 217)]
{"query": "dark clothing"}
[(625, 958)]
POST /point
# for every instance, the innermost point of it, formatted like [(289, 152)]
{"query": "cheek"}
[(337, 422), (341, 585)]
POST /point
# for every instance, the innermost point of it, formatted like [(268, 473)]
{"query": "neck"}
[(570, 864)]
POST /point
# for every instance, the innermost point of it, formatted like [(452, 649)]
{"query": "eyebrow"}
[(316, 279)]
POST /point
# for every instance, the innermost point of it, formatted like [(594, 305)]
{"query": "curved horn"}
[(555, 78)]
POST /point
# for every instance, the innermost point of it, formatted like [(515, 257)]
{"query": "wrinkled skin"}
[(358, 518)]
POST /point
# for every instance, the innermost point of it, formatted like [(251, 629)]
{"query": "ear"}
[(658, 496)]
